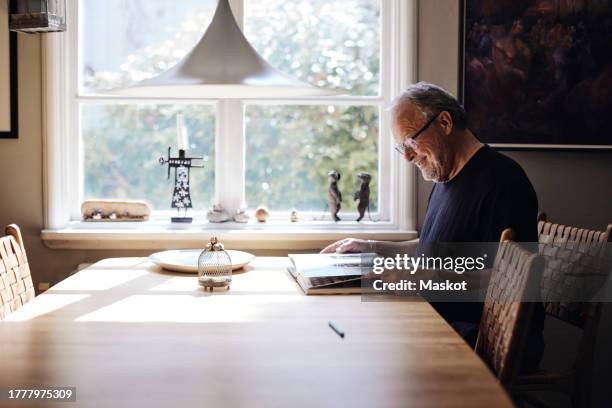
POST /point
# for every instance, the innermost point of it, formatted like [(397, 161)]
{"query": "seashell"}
[(217, 214), (262, 214), (241, 216)]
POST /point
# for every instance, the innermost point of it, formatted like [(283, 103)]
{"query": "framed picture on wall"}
[(538, 73), (8, 77)]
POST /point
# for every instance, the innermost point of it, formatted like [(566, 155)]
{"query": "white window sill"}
[(252, 236)]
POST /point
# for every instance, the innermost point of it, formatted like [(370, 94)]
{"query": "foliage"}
[(326, 43), (291, 149)]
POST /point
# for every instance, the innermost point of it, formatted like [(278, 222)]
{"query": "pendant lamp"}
[(223, 65)]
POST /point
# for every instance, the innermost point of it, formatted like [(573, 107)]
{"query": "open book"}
[(326, 274)]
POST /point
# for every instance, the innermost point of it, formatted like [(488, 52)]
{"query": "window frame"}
[(61, 100)]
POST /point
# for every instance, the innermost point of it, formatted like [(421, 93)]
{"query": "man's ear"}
[(446, 122)]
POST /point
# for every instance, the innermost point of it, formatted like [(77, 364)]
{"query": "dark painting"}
[(539, 72)]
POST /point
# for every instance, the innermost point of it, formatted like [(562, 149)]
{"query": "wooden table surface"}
[(127, 334)]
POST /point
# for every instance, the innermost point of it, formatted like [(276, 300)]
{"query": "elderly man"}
[(478, 192)]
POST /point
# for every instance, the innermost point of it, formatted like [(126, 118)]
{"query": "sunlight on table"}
[(93, 280), (188, 309), (241, 282), (43, 305)]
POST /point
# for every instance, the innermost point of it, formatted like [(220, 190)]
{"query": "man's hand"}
[(348, 245)]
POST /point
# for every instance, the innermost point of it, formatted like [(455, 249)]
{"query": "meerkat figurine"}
[(363, 194), (334, 196)]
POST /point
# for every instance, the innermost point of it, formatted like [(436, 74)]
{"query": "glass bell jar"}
[(214, 266)]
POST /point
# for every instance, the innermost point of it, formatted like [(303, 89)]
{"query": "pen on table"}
[(335, 328)]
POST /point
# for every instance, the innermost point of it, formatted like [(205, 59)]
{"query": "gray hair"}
[(432, 100)]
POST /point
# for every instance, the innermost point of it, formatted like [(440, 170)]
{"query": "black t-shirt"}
[(491, 193)]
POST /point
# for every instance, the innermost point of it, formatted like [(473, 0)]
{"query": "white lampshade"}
[(223, 65)]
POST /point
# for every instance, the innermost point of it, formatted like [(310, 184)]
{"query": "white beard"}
[(434, 173)]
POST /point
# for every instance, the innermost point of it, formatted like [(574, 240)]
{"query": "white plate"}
[(186, 260)]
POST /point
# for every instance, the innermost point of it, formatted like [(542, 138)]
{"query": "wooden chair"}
[(16, 287), (508, 308), (577, 264)]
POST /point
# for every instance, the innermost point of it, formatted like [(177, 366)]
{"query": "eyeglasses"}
[(410, 142)]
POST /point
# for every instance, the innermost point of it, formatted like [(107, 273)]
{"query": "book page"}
[(328, 265)]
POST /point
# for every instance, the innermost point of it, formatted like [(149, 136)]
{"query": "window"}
[(121, 43), (255, 152)]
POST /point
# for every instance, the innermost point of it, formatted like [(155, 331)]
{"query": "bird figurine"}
[(363, 194), (334, 196)]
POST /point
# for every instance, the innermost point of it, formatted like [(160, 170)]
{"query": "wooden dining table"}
[(126, 333)]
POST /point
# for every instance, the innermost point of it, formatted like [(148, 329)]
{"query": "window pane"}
[(327, 43), (122, 145), (125, 41), (290, 150)]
